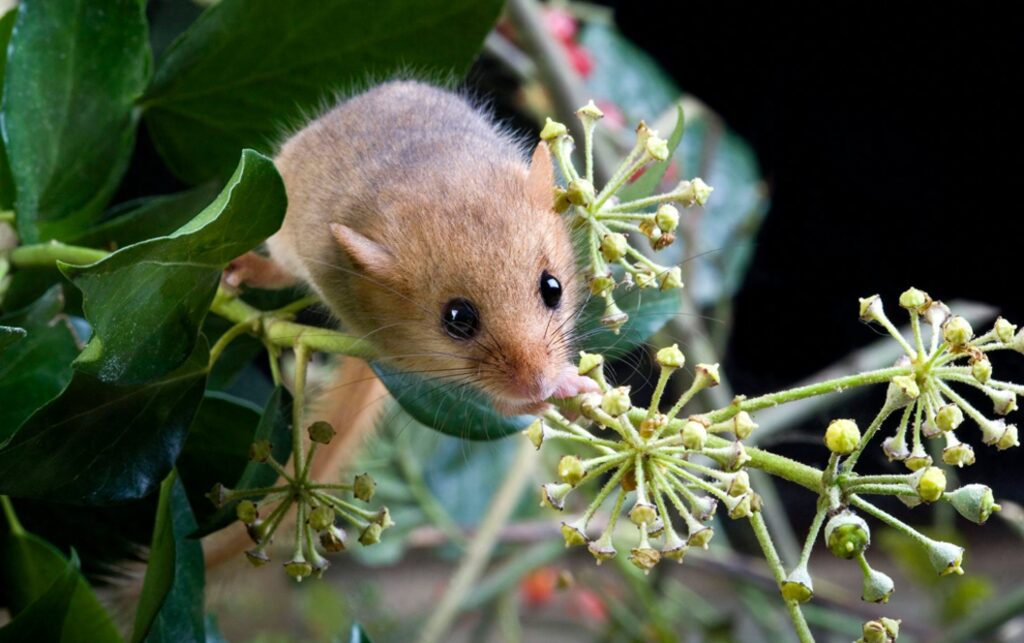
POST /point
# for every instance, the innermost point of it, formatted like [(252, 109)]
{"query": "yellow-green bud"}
[(930, 483), (644, 558), (570, 469), (333, 539), (616, 401), (247, 512), (798, 586), (914, 299), (907, 386), (958, 455), (739, 506), (847, 535), (218, 495), (1003, 402), (651, 425), (842, 437), (601, 284), (260, 451), (560, 200), (602, 548), (871, 308), (589, 111), (320, 432), (694, 435), (706, 375), (667, 217), (370, 534), (700, 190), (949, 417), (674, 547), (573, 534), (998, 433), (657, 147), (877, 588), (895, 448), (957, 331), (553, 495), (552, 130), (946, 558), (321, 518), (363, 486), (580, 192), (974, 502), (918, 459), (671, 357), (936, 313), (700, 537), (981, 369), (257, 557), (739, 484), (589, 362), (613, 246), (743, 425), (1004, 330), (643, 513), (613, 317), (884, 630), (535, 433), (671, 278), (298, 569)]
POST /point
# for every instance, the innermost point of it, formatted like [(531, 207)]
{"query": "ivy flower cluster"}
[(608, 222), (320, 509), (654, 460)]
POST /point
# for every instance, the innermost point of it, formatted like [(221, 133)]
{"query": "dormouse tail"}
[(352, 402)]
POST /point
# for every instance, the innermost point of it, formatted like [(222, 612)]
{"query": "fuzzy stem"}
[(775, 565), (298, 401), (851, 460), (812, 534)]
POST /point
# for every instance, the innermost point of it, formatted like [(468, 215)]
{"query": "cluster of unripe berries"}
[(611, 256)]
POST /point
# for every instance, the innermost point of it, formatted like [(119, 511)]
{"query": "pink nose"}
[(528, 386)]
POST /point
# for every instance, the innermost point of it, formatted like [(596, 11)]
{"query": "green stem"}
[(298, 401), (868, 435), (46, 255), (12, 518), (772, 556), (812, 534), (230, 335)]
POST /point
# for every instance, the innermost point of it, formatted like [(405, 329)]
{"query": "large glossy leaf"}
[(30, 569), (74, 70), (217, 450), (146, 302), (37, 368), (456, 410), (100, 443), (44, 618), (146, 218), (10, 335), (249, 69), (6, 182), (171, 604)]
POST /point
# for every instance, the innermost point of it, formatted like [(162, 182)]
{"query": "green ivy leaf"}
[(100, 443), (148, 217), (46, 593), (171, 604), (74, 70), (10, 335), (6, 182), (37, 368), (455, 409), (248, 69), (648, 309), (217, 450), (146, 302)]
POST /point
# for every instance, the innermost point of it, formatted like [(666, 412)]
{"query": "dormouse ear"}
[(540, 181), (364, 253)]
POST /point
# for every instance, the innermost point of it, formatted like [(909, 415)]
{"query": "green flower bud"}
[(671, 278), (616, 401), (981, 368), (614, 246), (949, 417), (602, 548), (613, 317), (571, 470), (929, 483), (363, 486), (842, 436), (257, 557), (904, 389), (667, 218), (739, 506), (739, 484), (553, 495), (580, 192), (871, 308), (847, 535), (260, 451), (695, 191), (946, 558), (884, 630), (552, 130), (383, 518), (1004, 330), (560, 200), (918, 459), (997, 433), (656, 527), (298, 569), (671, 357), (370, 534), (601, 284), (651, 425), (247, 512), (535, 433), (644, 558), (700, 537), (321, 432), (743, 425), (895, 448), (218, 495), (674, 548), (958, 455), (333, 539), (957, 331), (589, 112), (798, 586), (694, 435), (731, 457), (974, 502), (589, 362), (936, 314), (915, 300), (706, 375), (877, 588), (574, 533), (656, 147), (646, 279), (321, 518), (1003, 402), (703, 507), (643, 513)]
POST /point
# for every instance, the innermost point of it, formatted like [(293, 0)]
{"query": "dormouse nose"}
[(527, 370)]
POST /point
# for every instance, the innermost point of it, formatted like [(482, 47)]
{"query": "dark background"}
[(892, 144)]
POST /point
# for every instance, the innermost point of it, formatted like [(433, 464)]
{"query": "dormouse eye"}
[(460, 319), (550, 290)]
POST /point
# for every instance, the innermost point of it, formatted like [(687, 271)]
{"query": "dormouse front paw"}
[(256, 271), (569, 383)]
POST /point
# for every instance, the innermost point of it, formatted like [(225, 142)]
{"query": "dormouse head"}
[(472, 279)]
